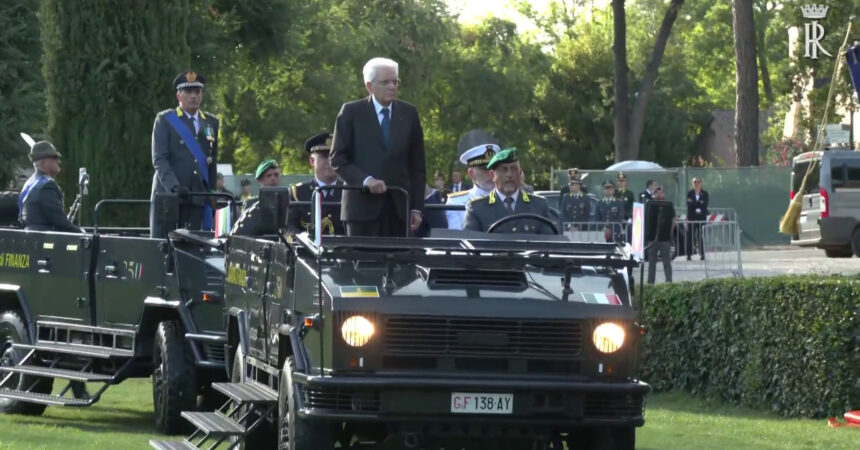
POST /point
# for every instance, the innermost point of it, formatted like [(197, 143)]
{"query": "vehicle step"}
[(73, 375), (213, 423), (172, 445), (247, 392), (76, 349), (43, 399)]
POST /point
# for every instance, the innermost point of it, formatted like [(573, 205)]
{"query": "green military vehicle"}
[(107, 305), (462, 340)]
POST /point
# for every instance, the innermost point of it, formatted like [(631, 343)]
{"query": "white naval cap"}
[(479, 155)]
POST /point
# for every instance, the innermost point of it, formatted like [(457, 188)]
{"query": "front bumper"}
[(537, 402)]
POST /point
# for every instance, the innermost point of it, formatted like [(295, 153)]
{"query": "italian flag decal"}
[(603, 299)]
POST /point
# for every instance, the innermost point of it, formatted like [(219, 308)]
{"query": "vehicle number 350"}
[(480, 403)]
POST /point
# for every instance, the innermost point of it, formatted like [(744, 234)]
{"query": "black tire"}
[(295, 433), (838, 252), (855, 242), (174, 378), (603, 438), (13, 330)]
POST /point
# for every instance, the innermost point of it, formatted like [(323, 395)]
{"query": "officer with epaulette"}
[(184, 154), (40, 203), (507, 199), (610, 212), (477, 148), (575, 205), (300, 218), (268, 175)]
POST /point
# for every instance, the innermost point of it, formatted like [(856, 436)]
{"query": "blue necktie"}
[(386, 126)]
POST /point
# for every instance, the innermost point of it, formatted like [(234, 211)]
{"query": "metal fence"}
[(722, 249)]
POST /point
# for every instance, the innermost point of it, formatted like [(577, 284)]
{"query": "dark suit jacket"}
[(300, 218), (432, 219), (480, 214), (43, 209), (358, 150), (464, 186), (693, 204), (644, 196)]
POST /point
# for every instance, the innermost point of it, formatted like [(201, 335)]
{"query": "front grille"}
[(341, 399), (483, 337), (614, 406), (477, 279)]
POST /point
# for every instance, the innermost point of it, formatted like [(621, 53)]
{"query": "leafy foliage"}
[(791, 344), (21, 84)]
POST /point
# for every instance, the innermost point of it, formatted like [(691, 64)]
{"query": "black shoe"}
[(688, 258), (703, 257)]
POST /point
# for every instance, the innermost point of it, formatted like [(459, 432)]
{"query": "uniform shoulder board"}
[(294, 191), (457, 194), (210, 115)]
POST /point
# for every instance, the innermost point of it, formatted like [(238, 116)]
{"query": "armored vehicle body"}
[(108, 305), (468, 340)]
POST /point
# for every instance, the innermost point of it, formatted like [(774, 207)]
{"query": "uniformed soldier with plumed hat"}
[(40, 203), (507, 199), (184, 155), (477, 148), (300, 218)]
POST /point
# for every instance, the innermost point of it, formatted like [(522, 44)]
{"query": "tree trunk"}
[(108, 71), (746, 109), (620, 115), (637, 120), (761, 38)]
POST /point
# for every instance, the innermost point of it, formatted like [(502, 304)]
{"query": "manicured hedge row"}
[(788, 344)]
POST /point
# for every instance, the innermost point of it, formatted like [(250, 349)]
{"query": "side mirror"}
[(274, 206), (166, 211)]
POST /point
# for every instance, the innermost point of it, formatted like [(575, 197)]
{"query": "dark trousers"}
[(190, 217), (694, 234), (663, 250), (389, 223)]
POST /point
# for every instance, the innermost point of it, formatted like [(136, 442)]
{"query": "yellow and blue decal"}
[(359, 291)]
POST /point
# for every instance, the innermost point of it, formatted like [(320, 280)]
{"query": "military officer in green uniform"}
[(575, 205), (184, 155), (267, 174), (506, 199), (610, 212), (40, 204), (300, 218)]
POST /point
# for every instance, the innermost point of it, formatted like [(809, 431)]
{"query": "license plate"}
[(479, 403)]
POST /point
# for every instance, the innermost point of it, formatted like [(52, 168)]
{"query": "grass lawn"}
[(123, 420)]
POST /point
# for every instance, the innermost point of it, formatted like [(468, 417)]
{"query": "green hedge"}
[(789, 344)]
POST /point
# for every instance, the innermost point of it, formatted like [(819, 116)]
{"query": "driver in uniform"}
[(507, 199)]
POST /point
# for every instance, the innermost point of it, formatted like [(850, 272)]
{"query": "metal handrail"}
[(316, 210), (136, 201)]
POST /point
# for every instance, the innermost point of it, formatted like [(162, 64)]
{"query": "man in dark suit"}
[(378, 142), (659, 238), (506, 200), (40, 203), (301, 218), (435, 218), (184, 152), (697, 212), (457, 182), (648, 193)]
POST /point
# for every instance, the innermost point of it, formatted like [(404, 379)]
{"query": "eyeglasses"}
[(387, 83)]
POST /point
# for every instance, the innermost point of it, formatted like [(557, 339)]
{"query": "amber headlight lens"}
[(357, 331), (608, 337)]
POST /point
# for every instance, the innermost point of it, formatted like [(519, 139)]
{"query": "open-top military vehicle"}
[(468, 340), (107, 305)]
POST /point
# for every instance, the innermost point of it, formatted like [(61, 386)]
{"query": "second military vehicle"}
[(466, 340), (108, 305)]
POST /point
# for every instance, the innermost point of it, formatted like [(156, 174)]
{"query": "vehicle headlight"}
[(608, 337), (357, 331)]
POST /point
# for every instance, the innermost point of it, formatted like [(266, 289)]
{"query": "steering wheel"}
[(529, 216)]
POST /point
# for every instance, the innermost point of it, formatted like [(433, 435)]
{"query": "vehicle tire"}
[(855, 242), (174, 378), (839, 252), (603, 438), (13, 330), (296, 433)]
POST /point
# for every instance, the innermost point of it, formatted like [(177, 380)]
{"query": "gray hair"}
[(374, 64)]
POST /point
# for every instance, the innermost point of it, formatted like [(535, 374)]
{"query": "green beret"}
[(264, 166), (507, 155), (42, 150)]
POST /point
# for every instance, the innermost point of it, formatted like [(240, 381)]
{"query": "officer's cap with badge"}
[(320, 143), (508, 155), (264, 166), (42, 150), (608, 183), (575, 181), (479, 156), (188, 79)]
